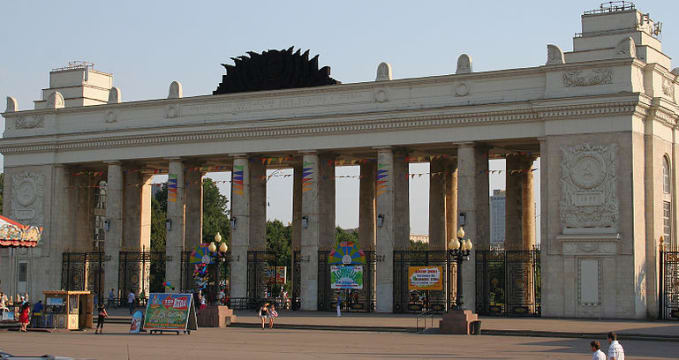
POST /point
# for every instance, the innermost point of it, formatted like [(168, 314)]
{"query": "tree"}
[(418, 246), (279, 241), (215, 213), (343, 235)]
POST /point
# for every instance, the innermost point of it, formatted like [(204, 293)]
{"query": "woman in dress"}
[(103, 314), (264, 314), (24, 316), (272, 315)]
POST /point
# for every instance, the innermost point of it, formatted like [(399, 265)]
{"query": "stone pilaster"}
[(386, 221), (401, 193), (240, 232), (296, 224), (257, 207), (175, 239), (473, 202), (310, 231), (366, 207), (114, 216), (437, 205), (194, 206)]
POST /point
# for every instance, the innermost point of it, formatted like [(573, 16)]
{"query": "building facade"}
[(602, 118)]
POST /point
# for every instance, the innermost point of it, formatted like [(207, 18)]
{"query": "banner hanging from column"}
[(238, 179), (307, 176), (172, 187)]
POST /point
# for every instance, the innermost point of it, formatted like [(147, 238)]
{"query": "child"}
[(100, 321), (272, 315)]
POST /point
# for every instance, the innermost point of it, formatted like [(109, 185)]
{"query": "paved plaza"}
[(252, 343)]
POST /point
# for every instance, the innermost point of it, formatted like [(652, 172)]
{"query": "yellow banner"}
[(425, 277)]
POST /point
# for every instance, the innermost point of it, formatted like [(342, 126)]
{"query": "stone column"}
[(326, 194), (175, 239), (296, 228), (520, 232), (401, 195), (437, 205), (240, 231), (83, 200), (310, 231), (473, 202), (194, 206), (114, 235), (451, 200), (257, 207), (366, 207), (385, 194), (137, 229)]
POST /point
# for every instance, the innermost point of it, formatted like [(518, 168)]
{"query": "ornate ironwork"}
[(669, 302), (273, 70), (407, 301)]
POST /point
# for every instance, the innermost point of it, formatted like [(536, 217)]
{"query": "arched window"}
[(666, 183)]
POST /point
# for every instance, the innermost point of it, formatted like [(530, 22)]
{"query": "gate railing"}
[(669, 282), (417, 301), (508, 282), (358, 300)]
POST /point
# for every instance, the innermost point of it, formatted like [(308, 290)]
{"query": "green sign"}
[(346, 277), (170, 312)]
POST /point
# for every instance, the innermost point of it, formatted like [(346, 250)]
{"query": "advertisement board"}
[(275, 274), (346, 277), (425, 278), (170, 312)]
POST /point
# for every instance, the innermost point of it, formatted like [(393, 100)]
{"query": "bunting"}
[(382, 180), (237, 185), (172, 188), (307, 176)]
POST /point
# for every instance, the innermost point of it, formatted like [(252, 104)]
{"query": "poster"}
[(135, 325), (275, 274), (170, 312), (346, 277), (425, 278)]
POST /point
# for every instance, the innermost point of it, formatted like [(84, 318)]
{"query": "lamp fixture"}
[(234, 221), (107, 224), (168, 224), (380, 220), (305, 222), (462, 219)]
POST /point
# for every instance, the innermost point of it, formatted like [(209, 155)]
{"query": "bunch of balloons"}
[(200, 275)]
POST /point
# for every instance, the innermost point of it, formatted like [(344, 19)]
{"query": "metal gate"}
[(257, 285), (415, 301), (295, 302), (359, 300), (139, 271), (669, 281), (83, 271), (508, 282)]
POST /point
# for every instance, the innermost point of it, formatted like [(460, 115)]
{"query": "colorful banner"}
[(237, 185), (382, 179), (135, 325), (275, 274), (172, 187), (307, 176), (346, 253), (346, 277), (168, 311), (425, 278)]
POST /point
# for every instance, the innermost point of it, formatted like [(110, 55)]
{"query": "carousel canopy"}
[(13, 234)]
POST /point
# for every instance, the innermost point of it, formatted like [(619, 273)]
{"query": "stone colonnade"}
[(383, 214)]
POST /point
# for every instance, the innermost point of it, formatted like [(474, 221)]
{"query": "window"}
[(667, 221), (23, 272), (666, 183)]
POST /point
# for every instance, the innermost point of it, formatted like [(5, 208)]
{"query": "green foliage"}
[(215, 213), (279, 241), (158, 236), (343, 235), (418, 246)]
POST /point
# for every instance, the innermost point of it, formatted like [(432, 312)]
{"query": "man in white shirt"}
[(615, 351), (130, 301), (597, 354)]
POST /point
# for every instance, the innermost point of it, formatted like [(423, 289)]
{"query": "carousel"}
[(15, 235)]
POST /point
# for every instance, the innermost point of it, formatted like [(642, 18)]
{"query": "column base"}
[(458, 322), (218, 316)]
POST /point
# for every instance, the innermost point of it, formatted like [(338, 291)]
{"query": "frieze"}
[(588, 188), (30, 122), (588, 77), (27, 197)]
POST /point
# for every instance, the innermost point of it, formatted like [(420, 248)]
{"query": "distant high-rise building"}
[(497, 217)]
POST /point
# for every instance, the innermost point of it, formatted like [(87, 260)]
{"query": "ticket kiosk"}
[(70, 310)]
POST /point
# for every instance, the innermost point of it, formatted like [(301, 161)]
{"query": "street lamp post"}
[(459, 250), (219, 249)]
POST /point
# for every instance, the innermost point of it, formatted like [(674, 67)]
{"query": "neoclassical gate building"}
[(601, 118)]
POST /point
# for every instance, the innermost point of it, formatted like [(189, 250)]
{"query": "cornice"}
[(387, 123)]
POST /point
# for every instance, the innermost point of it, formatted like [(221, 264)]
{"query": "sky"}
[(148, 44)]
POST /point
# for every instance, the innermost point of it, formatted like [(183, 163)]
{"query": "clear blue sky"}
[(148, 44)]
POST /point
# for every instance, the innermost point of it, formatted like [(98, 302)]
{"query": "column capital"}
[(113, 162), (382, 148), (239, 155), (308, 152)]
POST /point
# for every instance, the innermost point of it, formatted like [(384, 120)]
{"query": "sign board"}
[(275, 274), (170, 312), (425, 278), (346, 276), (135, 326)]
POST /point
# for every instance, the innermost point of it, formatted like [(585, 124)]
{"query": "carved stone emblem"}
[(588, 78), (588, 188), (461, 89), (27, 197), (668, 87), (111, 117), (172, 111), (381, 95)]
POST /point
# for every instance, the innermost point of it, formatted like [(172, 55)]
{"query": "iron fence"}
[(83, 271), (669, 282), (408, 299), (356, 300), (508, 282)]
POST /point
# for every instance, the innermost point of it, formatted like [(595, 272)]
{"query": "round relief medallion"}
[(588, 171), (26, 193)]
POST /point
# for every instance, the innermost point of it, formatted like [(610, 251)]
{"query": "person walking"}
[(130, 301), (597, 354), (111, 298), (339, 305), (615, 351), (103, 314), (264, 314), (273, 314), (24, 316)]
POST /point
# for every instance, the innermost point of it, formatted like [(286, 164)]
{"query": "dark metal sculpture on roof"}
[(273, 70)]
